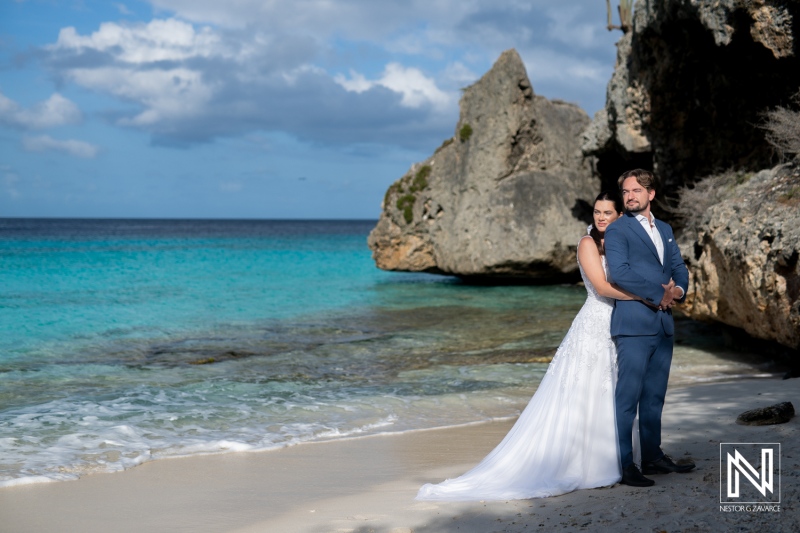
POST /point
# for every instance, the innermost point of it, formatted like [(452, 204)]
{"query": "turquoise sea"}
[(124, 341)]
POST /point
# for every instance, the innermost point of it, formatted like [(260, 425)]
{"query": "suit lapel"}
[(667, 256), (642, 234)]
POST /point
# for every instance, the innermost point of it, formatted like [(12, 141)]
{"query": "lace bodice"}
[(591, 326)]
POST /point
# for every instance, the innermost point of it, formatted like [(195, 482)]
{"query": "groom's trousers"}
[(643, 363)]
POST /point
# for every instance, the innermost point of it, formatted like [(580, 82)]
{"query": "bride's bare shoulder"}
[(586, 246)]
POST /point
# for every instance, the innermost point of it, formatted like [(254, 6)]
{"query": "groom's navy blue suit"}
[(643, 334)]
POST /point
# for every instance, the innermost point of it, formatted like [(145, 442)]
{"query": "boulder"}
[(507, 196), (780, 413)]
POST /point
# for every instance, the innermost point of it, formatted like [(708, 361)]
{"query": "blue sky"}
[(258, 108)]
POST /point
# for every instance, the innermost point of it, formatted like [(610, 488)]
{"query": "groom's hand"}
[(671, 294)]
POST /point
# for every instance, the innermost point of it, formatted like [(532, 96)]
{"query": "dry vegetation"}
[(695, 200), (782, 125)]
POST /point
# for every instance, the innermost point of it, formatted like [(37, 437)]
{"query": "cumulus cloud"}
[(159, 40), (55, 111), (194, 84), (45, 143), (417, 89), (207, 69), (354, 19)]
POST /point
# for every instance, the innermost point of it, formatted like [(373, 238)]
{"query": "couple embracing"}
[(580, 428)]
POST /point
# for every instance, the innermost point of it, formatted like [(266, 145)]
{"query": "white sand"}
[(368, 484)]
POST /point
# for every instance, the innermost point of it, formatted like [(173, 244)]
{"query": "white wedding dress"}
[(566, 437)]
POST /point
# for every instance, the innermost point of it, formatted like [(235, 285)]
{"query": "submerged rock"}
[(506, 197)]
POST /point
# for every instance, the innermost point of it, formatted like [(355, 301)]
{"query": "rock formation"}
[(742, 248), (506, 197), (691, 84)]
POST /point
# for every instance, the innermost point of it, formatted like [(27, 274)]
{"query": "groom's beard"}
[(637, 208)]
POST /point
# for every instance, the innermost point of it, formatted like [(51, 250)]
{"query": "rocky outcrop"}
[(692, 81), (506, 197), (692, 84), (742, 246)]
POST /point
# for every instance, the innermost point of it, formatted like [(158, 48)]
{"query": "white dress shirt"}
[(649, 226)]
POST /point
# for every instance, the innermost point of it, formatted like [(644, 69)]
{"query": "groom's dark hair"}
[(644, 177)]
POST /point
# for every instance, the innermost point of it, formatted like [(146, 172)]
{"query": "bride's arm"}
[(593, 268)]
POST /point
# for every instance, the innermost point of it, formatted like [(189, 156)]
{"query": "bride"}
[(565, 439)]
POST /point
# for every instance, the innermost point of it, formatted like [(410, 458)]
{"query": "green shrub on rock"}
[(420, 179), (406, 205), (394, 188), (445, 144), (465, 133)]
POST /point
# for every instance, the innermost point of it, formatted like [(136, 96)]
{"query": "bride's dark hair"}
[(609, 196)]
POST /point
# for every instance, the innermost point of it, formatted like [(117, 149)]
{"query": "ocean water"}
[(124, 341)]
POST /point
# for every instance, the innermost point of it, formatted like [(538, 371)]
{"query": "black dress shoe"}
[(631, 476), (665, 466)]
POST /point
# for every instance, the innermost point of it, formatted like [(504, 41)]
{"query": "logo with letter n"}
[(750, 472)]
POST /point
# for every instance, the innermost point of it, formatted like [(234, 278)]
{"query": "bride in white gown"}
[(565, 439)]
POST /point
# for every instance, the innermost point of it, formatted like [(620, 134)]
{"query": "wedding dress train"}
[(565, 439)]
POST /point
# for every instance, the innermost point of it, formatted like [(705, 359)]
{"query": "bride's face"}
[(604, 214)]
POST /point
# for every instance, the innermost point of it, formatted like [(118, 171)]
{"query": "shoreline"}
[(44, 479), (368, 483)]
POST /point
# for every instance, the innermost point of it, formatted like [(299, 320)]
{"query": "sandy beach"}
[(368, 484)]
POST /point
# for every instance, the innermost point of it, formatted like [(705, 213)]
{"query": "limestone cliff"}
[(689, 93), (742, 245), (505, 197), (691, 83)]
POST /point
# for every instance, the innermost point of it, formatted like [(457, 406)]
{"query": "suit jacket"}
[(633, 265)]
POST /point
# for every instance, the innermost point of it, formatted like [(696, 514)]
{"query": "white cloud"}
[(45, 143), (165, 93), (417, 89), (209, 69), (55, 111), (355, 19), (419, 27), (159, 40), (193, 85)]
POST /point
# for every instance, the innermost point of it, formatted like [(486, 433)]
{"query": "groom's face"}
[(635, 197)]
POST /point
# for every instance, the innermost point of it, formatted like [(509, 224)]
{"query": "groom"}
[(642, 258)]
